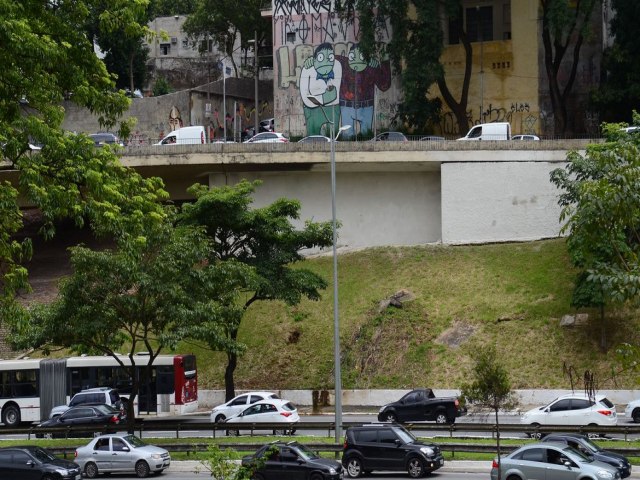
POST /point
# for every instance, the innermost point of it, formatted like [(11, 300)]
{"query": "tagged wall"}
[(321, 77)]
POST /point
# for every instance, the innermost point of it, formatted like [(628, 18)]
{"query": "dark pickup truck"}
[(422, 404)]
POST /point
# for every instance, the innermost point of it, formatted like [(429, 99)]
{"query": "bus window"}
[(165, 380), (25, 383)]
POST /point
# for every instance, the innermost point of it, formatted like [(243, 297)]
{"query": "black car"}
[(422, 405), (101, 416), (291, 460), (388, 448), (35, 463), (587, 447)]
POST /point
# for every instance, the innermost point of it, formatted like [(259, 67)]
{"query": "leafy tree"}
[(601, 214), (565, 27), (226, 22), (490, 387), (46, 57), (262, 238), (415, 23), (619, 93), (167, 8), (146, 296)]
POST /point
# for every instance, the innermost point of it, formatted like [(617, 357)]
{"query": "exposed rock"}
[(567, 321), (457, 334), (508, 318), (396, 300), (576, 320)]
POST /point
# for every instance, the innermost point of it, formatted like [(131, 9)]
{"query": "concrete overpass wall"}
[(498, 201), (374, 208)]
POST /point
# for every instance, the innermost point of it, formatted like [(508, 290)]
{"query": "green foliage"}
[(490, 387), (263, 239), (619, 93), (227, 21), (47, 57), (222, 464), (166, 8), (161, 87)]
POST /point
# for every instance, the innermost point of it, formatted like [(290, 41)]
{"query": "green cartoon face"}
[(356, 59), (323, 61)]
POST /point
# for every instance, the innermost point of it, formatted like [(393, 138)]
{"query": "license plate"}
[(442, 461)]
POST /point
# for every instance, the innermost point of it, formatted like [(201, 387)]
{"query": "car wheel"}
[(91, 470), (513, 477), (220, 418), (142, 469), (415, 468), (354, 467), (535, 434), (316, 476), (391, 417), (11, 416), (441, 418), (636, 415)]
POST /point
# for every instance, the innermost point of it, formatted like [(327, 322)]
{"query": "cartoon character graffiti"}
[(175, 119), (320, 78), (357, 90)]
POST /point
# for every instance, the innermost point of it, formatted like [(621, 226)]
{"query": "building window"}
[(165, 48), (291, 37), (506, 21), (479, 24)]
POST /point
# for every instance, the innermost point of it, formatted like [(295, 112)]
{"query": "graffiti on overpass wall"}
[(518, 114), (318, 60)]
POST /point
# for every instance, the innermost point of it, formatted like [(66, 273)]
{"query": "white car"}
[(572, 409), (632, 411), (238, 404), (268, 137), (267, 411), (525, 137), (122, 454)]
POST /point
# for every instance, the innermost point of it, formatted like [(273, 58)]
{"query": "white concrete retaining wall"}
[(498, 202), (374, 208), (377, 398)]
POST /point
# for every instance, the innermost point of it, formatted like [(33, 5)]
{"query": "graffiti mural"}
[(175, 119), (518, 114), (318, 61)]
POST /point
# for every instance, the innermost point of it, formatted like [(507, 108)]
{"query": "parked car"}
[(238, 404), (267, 411), (268, 137), (552, 461), (489, 131), (572, 409), (267, 125), (291, 460), (526, 137), (432, 138), (315, 139), (101, 395), (101, 139), (31, 462), (193, 135), (390, 137), (121, 454), (100, 416), (388, 448), (590, 449), (422, 404), (633, 410)]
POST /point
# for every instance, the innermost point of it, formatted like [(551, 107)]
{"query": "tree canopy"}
[(264, 239), (47, 56), (601, 215)]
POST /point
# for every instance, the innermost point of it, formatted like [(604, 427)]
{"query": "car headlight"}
[(63, 472), (427, 450), (604, 474), (156, 456), (332, 471)]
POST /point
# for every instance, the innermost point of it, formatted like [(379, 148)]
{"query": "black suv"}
[(388, 448), (278, 460), (35, 463), (590, 449)]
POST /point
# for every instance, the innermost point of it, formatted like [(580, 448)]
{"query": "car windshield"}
[(134, 441), (306, 453), (581, 456), (42, 455), (106, 409), (405, 436), (591, 446)]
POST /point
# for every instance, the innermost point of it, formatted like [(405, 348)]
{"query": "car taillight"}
[(606, 413), (75, 454), (456, 403), (202, 137), (115, 419), (494, 464), (285, 414)]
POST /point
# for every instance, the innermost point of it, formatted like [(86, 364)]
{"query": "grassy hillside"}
[(510, 295)]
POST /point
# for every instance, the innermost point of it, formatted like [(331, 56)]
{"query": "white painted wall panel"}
[(375, 208), (498, 201)]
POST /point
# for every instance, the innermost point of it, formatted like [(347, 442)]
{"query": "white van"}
[(489, 131), (185, 136)]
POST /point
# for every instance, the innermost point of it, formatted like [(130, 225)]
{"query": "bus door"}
[(147, 400)]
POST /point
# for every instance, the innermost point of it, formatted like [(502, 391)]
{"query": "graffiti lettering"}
[(300, 7)]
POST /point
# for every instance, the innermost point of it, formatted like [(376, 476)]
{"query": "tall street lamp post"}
[(336, 320)]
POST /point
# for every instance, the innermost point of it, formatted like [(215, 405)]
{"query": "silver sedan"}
[(121, 453)]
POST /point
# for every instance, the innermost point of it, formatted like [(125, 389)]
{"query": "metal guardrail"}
[(143, 427)]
